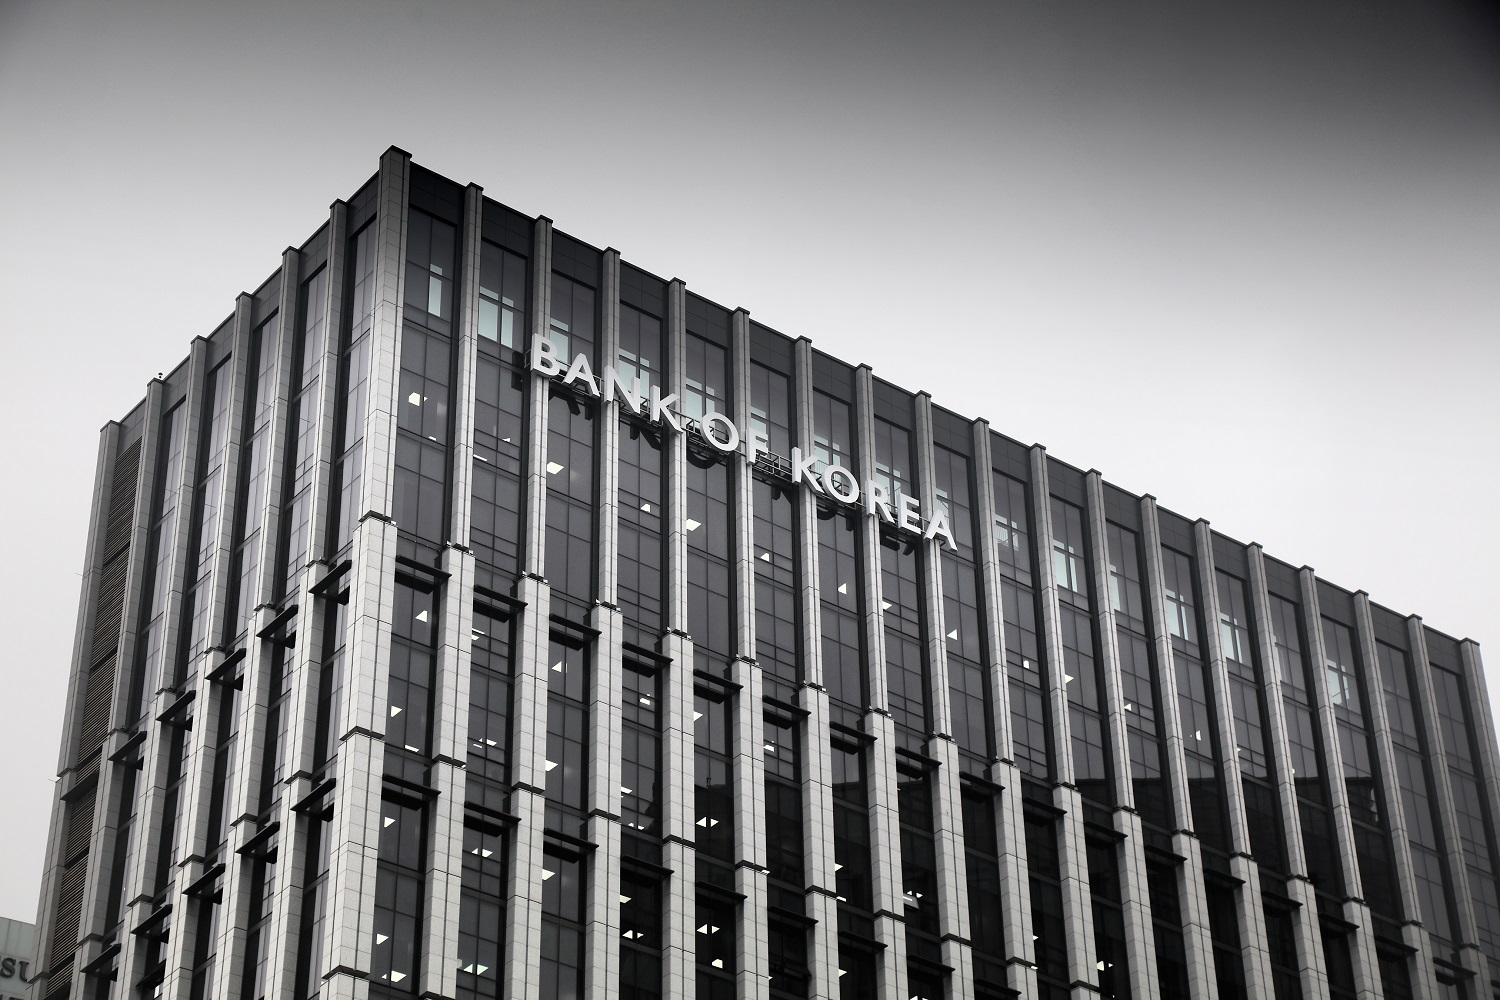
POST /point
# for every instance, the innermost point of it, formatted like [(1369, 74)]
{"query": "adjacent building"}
[(473, 614), (17, 959)]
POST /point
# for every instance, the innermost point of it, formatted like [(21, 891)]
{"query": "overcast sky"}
[(1242, 256)]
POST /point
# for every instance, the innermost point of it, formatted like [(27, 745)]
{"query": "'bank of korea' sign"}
[(719, 433)]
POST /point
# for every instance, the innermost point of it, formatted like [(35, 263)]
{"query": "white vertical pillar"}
[(1197, 940), (1306, 932), (817, 774), (523, 912), (947, 806), (1135, 897), (748, 764), (355, 828), (1355, 911), (601, 957), (1010, 827), (679, 895), (1078, 911), (885, 817), (1255, 956)]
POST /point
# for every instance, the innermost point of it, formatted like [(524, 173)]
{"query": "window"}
[(1012, 531), (562, 878), (1125, 579), (713, 800), (408, 695), (567, 725), (851, 827), (429, 271), (905, 653), (783, 802), (571, 324), (832, 441), (489, 694), (776, 639), (704, 387), (398, 894), (502, 296), (639, 363), (770, 414), (499, 415), (918, 852), (1028, 683), (640, 771), (640, 936), (715, 952), (422, 436), (892, 458), (1047, 925), (641, 552), (481, 913), (838, 567), (963, 629), (570, 496), (1177, 570), (1068, 553)]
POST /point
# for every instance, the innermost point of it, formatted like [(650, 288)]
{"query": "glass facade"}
[(439, 674)]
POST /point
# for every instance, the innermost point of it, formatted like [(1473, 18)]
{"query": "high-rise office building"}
[(473, 614)]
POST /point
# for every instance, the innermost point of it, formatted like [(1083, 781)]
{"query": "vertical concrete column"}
[(378, 482), (1010, 827), (106, 811), (885, 815), (534, 524), (1486, 761), (1299, 888), (817, 771), (1355, 911), (325, 447), (356, 797), (1078, 909), (1419, 963), (1466, 936), (947, 805), (1255, 954), (282, 415), (748, 765), (445, 859), (467, 352), (601, 959), (1197, 940), (680, 895), (1135, 896), (197, 774), (229, 484), (675, 464), (523, 912), (145, 833), (450, 695)]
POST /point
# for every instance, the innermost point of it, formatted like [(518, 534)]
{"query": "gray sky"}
[(1242, 258)]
